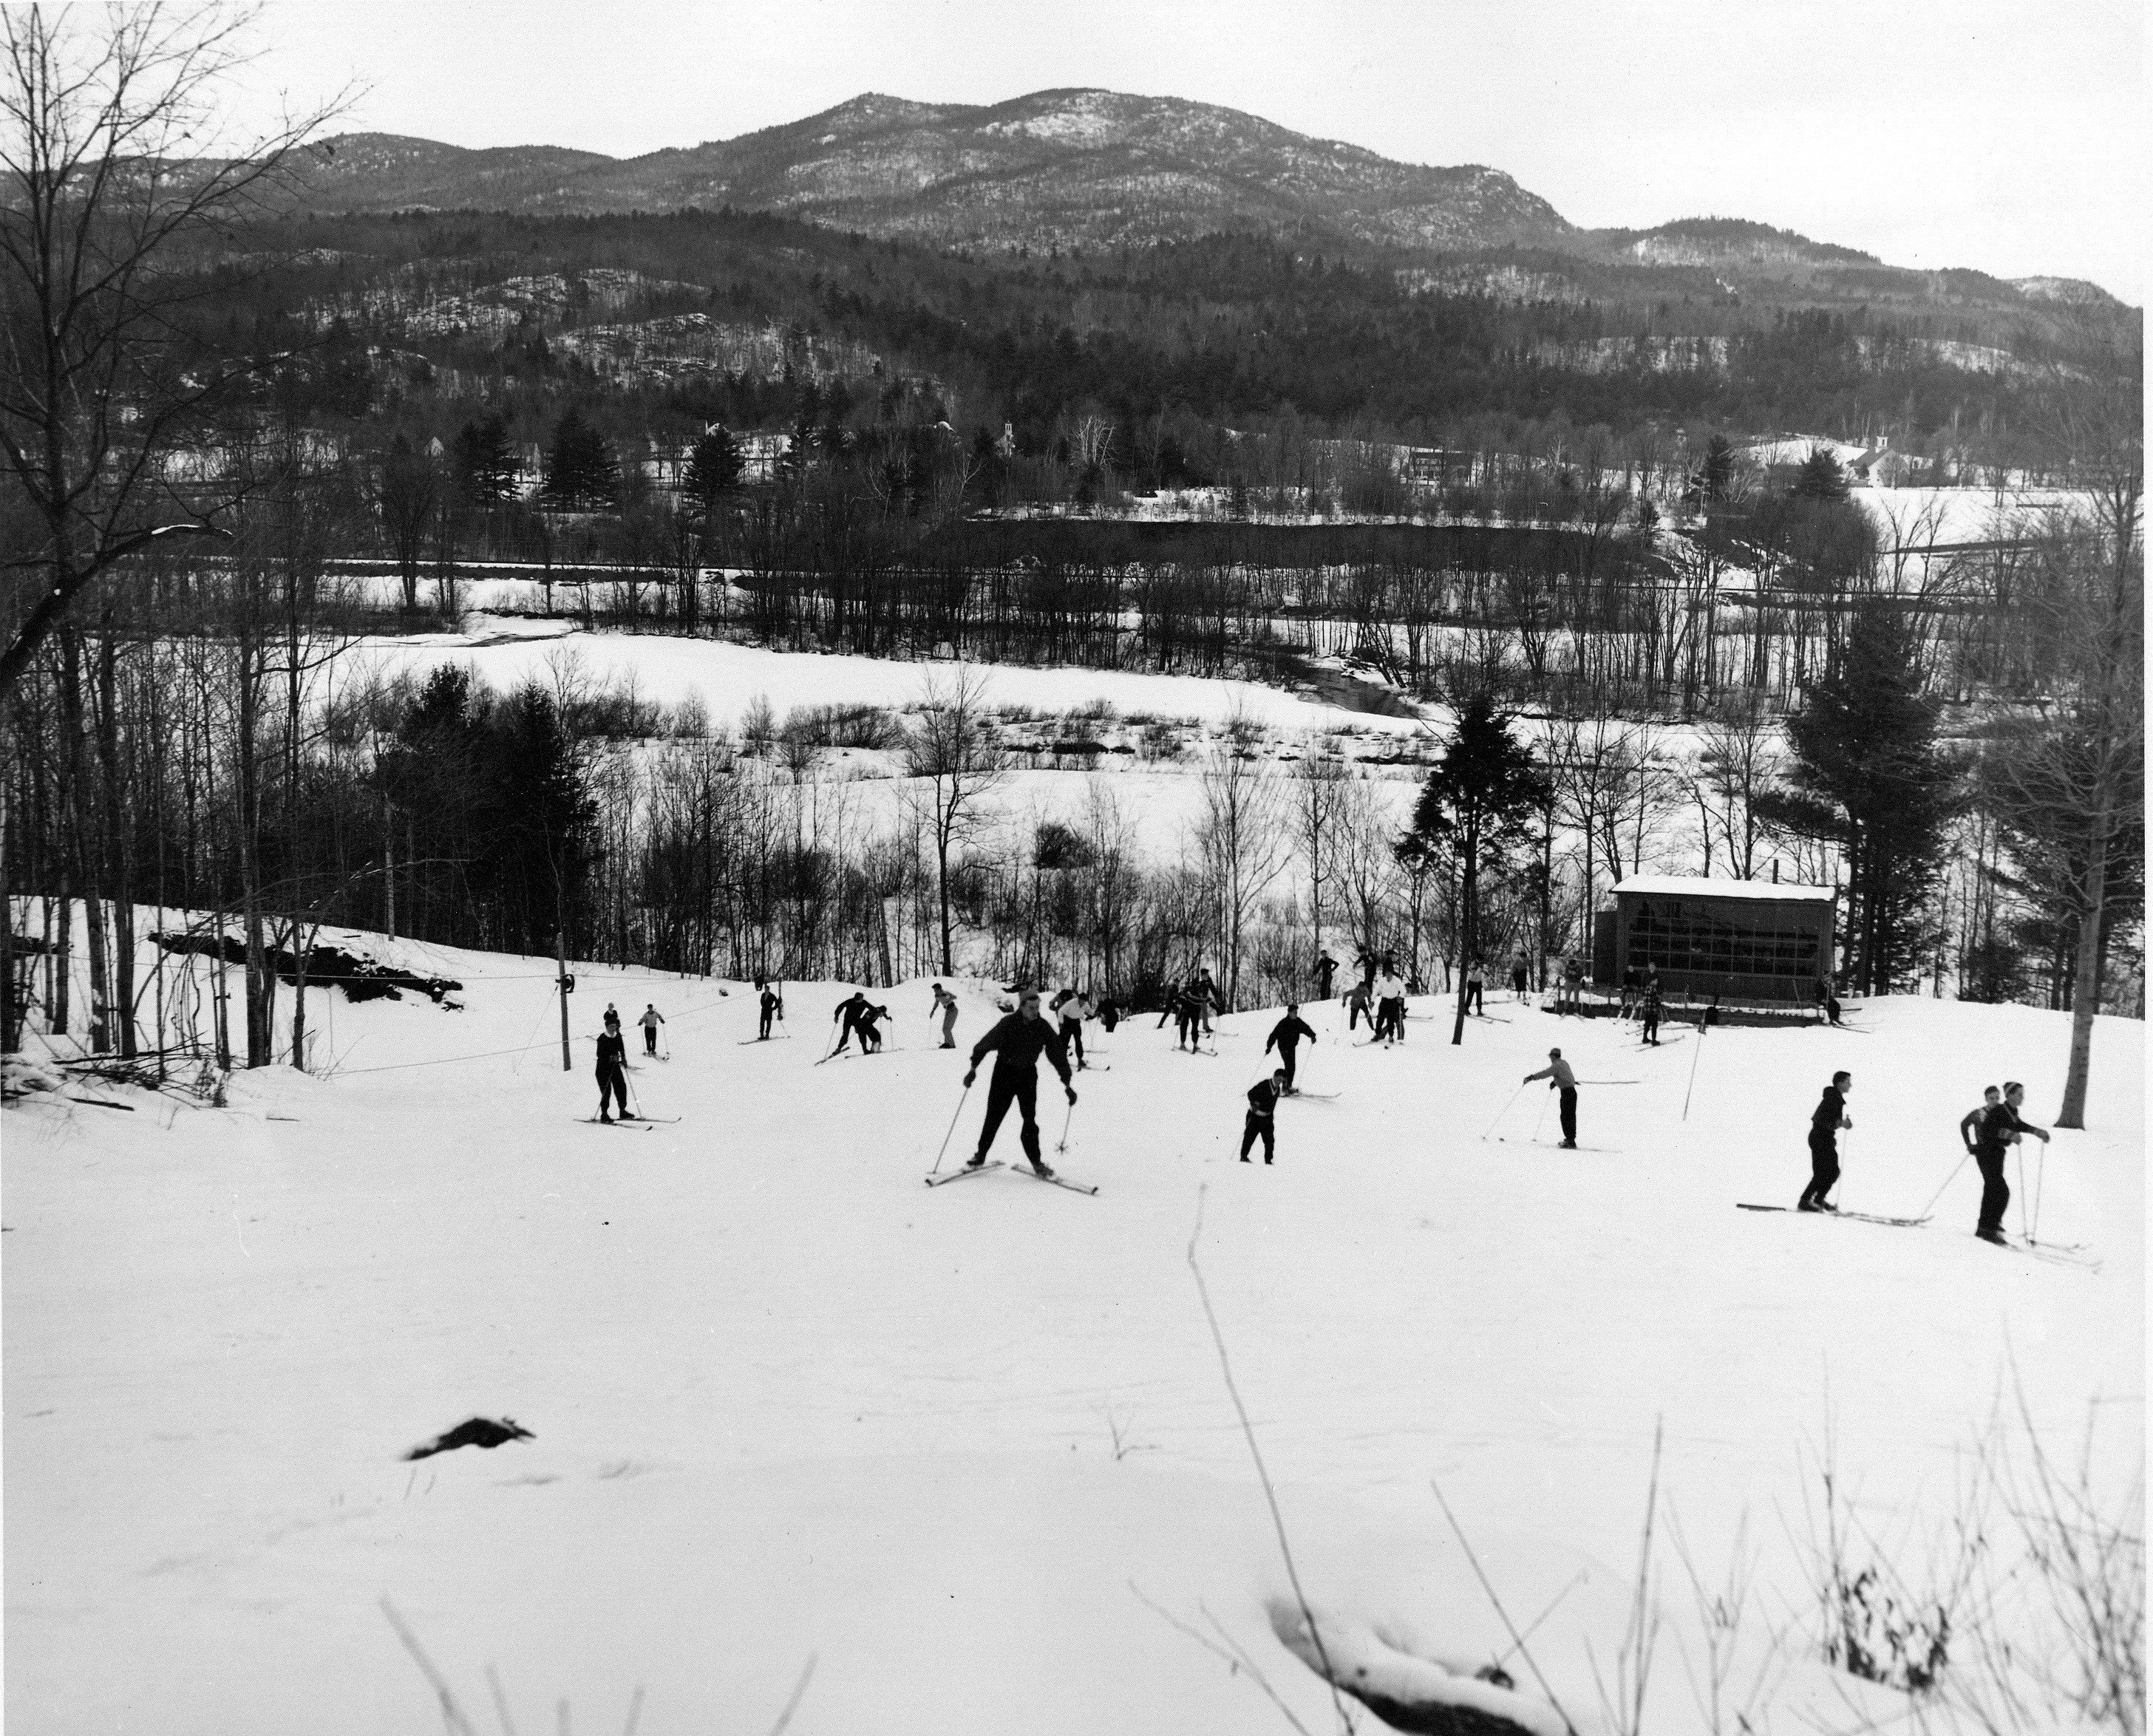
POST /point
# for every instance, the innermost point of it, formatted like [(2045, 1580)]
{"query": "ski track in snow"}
[(787, 1400)]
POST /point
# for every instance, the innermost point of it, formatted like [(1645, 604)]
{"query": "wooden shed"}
[(1748, 941)]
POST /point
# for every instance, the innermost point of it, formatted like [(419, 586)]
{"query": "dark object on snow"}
[(328, 967), (478, 1431)]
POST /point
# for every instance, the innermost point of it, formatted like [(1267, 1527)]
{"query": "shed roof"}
[(1692, 886)]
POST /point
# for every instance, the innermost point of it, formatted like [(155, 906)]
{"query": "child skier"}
[(613, 1074), (1017, 1041), (1259, 1124), (945, 1004), (864, 1021), (1287, 1034), (650, 1020), (1652, 1008)]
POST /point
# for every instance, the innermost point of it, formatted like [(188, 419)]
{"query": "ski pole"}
[(952, 1129), (2023, 1229), (1065, 1117), (1931, 1207), (1503, 1111), (2040, 1175), (1693, 1061)]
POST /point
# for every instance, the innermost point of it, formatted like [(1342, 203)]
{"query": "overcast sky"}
[(2010, 137)]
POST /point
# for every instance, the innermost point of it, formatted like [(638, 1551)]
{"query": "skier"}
[(1365, 964), (613, 1076), (1390, 1005), (650, 1020), (1357, 1009), (1206, 994), (1075, 1010), (849, 1010), (1287, 1034), (1017, 1041), (1520, 975), (1476, 987), (945, 1004), (1969, 1124), (773, 1006), (1829, 1117), (1110, 1013), (1326, 967), (2001, 1128), (864, 1021), (1573, 984), (1263, 1100), (1828, 1000), (1651, 1009), (1560, 1078)]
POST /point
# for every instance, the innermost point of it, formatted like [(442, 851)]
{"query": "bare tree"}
[(99, 221), (1740, 756), (1316, 794), (952, 757), (1243, 845)]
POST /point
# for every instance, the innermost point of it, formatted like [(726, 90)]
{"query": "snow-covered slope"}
[(963, 1448)]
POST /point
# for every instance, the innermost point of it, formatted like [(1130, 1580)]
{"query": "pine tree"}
[(483, 462), (714, 467), (1477, 806), (1820, 478), (581, 470), (1868, 774)]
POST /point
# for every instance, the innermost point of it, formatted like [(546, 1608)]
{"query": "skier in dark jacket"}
[(1110, 1013), (1325, 968), (1259, 1123), (849, 1010), (1287, 1034), (773, 1007), (864, 1021), (1825, 1122), (1969, 1124), (1651, 1009), (1017, 1041), (2001, 1128), (613, 1076)]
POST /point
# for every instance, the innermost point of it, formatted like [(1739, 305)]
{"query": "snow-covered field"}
[(969, 1449), (728, 677)]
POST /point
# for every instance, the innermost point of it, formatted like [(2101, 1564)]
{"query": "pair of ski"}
[(1052, 1181), (1311, 1097), (630, 1122), (1858, 1217)]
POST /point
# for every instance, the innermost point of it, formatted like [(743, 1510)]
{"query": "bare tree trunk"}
[(2086, 996)]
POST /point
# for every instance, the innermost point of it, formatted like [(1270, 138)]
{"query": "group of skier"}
[(1988, 1131)]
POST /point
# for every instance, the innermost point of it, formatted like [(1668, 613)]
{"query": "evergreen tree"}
[(1868, 775), (1820, 478), (581, 470), (483, 462), (1715, 475), (1477, 807), (714, 467)]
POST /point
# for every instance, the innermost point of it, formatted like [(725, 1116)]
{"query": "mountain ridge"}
[(1069, 167)]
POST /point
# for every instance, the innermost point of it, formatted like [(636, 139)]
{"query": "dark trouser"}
[(650, 1040), (1568, 1107), (1072, 1040), (1474, 1003), (1354, 1010), (613, 1088), (845, 1034), (1652, 1025), (1518, 979), (1323, 985), (1255, 1127), (1995, 1191), (1391, 1019), (1824, 1169), (1021, 1089), (766, 1013), (1110, 1019), (949, 1029), (1286, 1061), (1184, 1030)]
